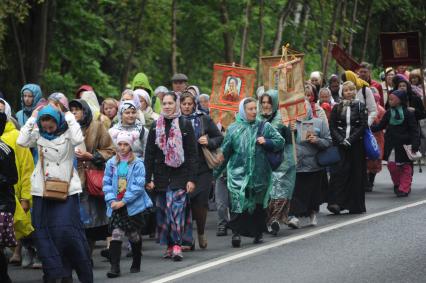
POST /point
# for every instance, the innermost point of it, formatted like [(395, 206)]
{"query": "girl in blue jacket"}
[(126, 199)]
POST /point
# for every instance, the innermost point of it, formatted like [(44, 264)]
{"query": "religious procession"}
[(161, 169)]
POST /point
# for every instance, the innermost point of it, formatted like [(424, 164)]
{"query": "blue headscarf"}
[(59, 118), (36, 91)]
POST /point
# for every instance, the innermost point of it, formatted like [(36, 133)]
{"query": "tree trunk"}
[(307, 9), (351, 36), (321, 31), (174, 39), (134, 42), (342, 24), (261, 39), (366, 30), (42, 42), (337, 6), (18, 51), (342, 28), (332, 37), (285, 12), (244, 39), (227, 36)]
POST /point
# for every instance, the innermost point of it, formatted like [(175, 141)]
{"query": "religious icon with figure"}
[(400, 49), (232, 89), (231, 84)]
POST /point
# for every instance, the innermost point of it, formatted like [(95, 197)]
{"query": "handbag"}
[(372, 150), (275, 158), (211, 156), (94, 182), (328, 157), (54, 188), (412, 156)]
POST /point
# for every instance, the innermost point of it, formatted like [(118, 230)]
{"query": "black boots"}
[(114, 254), (136, 254)]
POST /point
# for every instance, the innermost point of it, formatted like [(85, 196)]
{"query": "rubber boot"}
[(136, 255), (115, 254)]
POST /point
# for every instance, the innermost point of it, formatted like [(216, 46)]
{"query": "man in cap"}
[(179, 82)]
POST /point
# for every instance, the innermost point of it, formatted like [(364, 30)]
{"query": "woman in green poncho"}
[(284, 177), (249, 172)]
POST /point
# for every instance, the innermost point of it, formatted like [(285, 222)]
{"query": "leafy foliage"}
[(106, 42)]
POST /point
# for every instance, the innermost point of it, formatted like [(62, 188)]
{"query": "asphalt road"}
[(387, 248)]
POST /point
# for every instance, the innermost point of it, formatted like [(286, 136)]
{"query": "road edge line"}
[(281, 242)]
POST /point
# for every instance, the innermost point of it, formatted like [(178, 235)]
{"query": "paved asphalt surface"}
[(388, 248)]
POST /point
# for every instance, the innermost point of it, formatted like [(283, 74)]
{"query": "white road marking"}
[(249, 252)]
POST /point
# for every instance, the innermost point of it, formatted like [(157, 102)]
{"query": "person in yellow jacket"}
[(25, 167)]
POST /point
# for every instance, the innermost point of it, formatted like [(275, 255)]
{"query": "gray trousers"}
[(222, 201)]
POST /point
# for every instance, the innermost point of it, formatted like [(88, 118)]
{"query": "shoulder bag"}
[(211, 156), (54, 188), (274, 158)]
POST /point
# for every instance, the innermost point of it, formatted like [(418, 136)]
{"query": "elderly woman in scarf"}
[(128, 120), (249, 172), (203, 102), (92, 156), (312, 136), (59, 236), (364, 94), (145, 100), (129, 95), (347, 182), (283, 178), (171, 172), (209, 136)]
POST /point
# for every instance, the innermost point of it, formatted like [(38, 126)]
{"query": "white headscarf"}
[(7, 109), (92, 101), (144, 94)]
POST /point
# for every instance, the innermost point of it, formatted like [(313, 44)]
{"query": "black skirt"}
[(129, 224), (307, 193), (249, 224), (200, 197)]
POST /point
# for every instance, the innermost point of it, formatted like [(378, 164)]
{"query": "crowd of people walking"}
[(92, 169)]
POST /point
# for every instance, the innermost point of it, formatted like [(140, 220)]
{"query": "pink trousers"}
[(401, 176)]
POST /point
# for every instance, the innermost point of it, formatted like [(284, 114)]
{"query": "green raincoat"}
[(284, 177), (141, 81), (248, 170)]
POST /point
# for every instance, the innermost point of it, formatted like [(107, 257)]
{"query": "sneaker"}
[(169, 252), (36, 263), (177, 253), (293, 222), (275, 227), (313, 219), (221, 231), (27, 257)]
